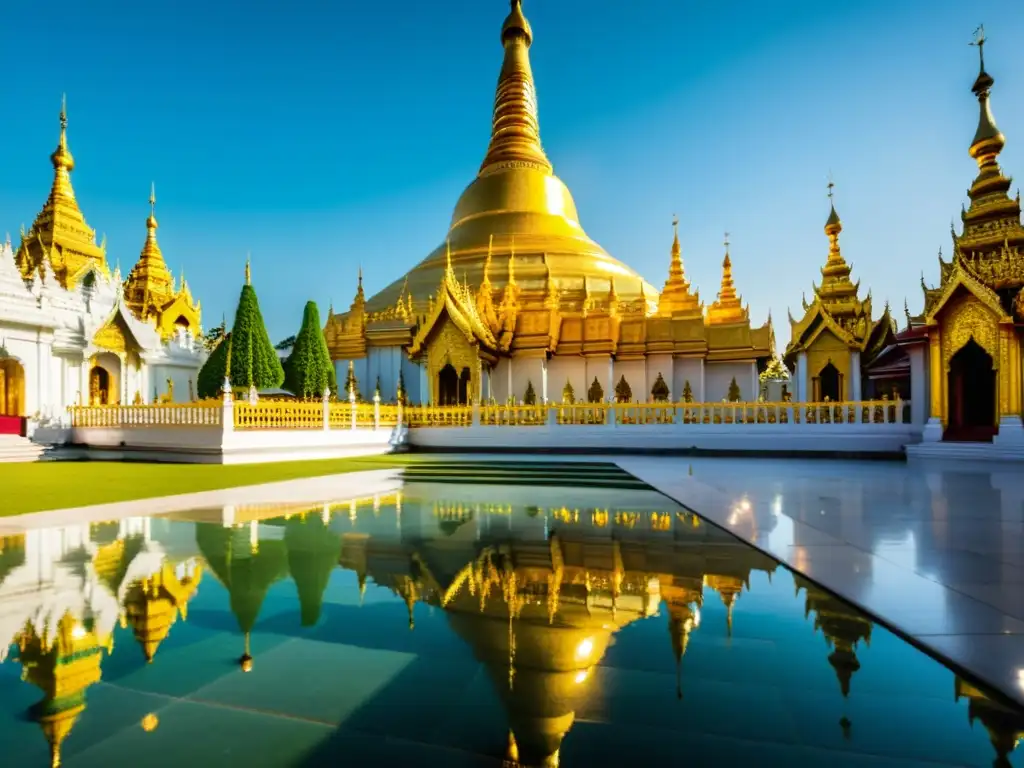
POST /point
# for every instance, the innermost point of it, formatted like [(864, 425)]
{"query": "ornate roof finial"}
[(988, 141), (726, 241), (727, 308), (63, 161), (515, 130), (248, 269)]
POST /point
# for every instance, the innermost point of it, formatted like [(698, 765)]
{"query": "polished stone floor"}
[(935, 550)]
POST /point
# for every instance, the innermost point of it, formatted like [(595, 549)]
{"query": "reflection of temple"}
[(1005, 725), (539, 598), (520, 298), (62, 593)]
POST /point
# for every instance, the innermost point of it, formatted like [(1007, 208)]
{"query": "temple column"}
[(855, 382), (83, 382), (510, 393), (425, 394), (544, 380), (609, 391), (755, 392), (918, 384), (936, 385), (703, 397), (801, 377), (1011, 428)]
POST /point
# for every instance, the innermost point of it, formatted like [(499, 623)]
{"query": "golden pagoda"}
[(154, 603), (59, 239), (518, 292), (836, 335), (150, 291), (972, 320), (63, 667)]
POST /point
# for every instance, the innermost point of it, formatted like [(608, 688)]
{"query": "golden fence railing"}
[(331, 415)]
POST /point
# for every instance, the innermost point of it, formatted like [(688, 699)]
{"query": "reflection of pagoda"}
[(247, 566), (1005, 725), (63, 665), (153, 602), (540, 610), (842, 625)]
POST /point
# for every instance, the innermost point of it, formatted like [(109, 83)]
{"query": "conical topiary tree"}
[(568, 393), (254, 361), (596, 392), (210, 379), (530, 398), (659, 392), (623, 392), (309, 370), (734, 394), (687, 392)]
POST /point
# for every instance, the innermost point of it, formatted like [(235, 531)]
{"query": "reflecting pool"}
[(457, 624)]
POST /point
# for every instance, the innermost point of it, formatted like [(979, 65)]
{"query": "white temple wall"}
[(385, 363), (411, 373), (688, 369), (635, 372), (526, 370), (361, 368), (499, 380), (155, 379), (718, 376), (661, 364), (567, 368)]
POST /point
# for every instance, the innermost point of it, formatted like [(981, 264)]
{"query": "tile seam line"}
[(888, 624)]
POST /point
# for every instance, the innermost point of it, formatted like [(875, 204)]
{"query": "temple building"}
[(518, 298), (71, 332), (964, 351), (836, 336)]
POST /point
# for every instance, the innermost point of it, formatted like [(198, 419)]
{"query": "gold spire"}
[(988, 141), (485, 295), (60, 238), (836, 284), (727, 308), (515, 131), (150, 285), (676, 298)]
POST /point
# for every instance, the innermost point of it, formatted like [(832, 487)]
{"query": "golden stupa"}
[(516, 209), (518, 287)]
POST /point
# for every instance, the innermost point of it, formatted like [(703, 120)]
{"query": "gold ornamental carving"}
[(111, 337), (966, 320)]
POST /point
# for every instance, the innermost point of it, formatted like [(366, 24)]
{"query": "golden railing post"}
[(376, 411)]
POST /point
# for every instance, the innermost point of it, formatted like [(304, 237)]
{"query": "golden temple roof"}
[(59, 238), (515, 196)]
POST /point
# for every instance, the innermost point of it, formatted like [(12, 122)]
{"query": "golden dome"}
[(517, 202)]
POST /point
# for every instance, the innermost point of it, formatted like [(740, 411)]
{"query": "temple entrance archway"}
[(464, 387), (99, 386), (971, 393), (828, 384), (448, 386), (12, 387)]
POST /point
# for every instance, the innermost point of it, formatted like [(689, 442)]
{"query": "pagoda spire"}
[(727, 307), (988, 141), (150, 285), (62, 159), (675, 297), (515, 129)]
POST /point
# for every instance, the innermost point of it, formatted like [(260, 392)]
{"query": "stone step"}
[(19, 449)]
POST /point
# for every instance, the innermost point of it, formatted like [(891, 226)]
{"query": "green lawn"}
[(39, 486)]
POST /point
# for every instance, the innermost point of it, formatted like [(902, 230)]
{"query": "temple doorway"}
[(828, 384), (453, 388), (12, 387), (971, 395), (99, 386), (464, 387)]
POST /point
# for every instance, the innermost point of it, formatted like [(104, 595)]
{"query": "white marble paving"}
[(935, 550)]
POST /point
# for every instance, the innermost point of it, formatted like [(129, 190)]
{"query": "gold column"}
[(937, 385), (1011, 373)]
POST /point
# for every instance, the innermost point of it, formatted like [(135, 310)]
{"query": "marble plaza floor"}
[(936, 551)]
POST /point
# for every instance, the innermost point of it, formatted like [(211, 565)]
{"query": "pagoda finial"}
[(63, 162), (515, 130), (727, 308), (248, 269), (988, 141)]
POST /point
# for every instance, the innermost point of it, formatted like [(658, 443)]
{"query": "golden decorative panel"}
[(963, 320), (450, 345), (112, 337)]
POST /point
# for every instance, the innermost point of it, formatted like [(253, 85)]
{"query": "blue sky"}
[(328, 135)]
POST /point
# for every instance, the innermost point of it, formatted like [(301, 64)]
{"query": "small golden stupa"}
[(519, 294)]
